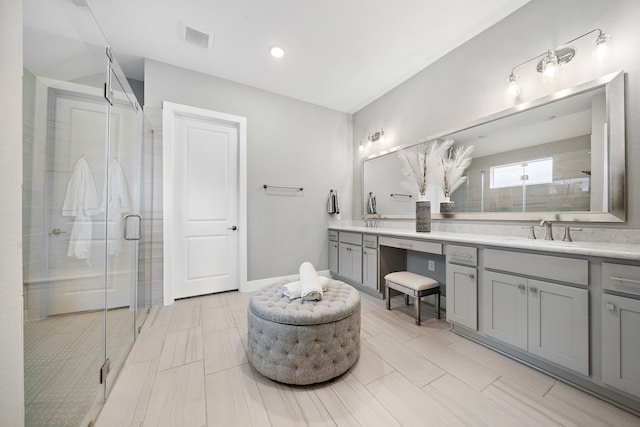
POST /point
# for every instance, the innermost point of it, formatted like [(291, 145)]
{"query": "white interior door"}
[(201, 203)]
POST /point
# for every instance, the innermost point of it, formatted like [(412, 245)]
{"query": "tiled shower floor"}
[(62, 358)]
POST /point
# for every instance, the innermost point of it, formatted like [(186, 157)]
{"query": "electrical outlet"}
[(432, 265)]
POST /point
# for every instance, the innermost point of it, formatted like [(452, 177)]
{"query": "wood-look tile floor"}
[(189, 368)]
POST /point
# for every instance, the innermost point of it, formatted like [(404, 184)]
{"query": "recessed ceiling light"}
[(277, 52)]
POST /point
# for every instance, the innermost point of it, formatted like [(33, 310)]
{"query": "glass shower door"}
[(123, 220), (80, 274)]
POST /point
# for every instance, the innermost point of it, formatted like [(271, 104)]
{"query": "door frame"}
[(170, 111)]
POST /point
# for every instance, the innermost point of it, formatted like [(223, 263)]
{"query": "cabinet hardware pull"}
[(611, 306), (521, 287), (533, 289), (472, 276), (624, 279), (461, 256)]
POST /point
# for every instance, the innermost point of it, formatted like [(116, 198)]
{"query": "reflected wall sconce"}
[(377, 136), (551, 60)]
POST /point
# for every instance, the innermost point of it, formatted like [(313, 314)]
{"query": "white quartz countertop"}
[(596, 249)]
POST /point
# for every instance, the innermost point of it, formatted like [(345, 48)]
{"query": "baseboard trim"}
[(254, 285)]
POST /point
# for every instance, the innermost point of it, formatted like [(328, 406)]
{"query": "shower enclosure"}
[(85, 190)]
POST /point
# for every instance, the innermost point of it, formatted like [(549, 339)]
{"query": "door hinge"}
[(104, 371), (108, 93)]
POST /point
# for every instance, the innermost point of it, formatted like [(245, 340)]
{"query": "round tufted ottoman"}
[(304, 342)]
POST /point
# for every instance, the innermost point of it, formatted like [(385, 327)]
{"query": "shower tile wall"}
[(34, 202)]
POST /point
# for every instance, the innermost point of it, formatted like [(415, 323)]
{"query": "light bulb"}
[(549, 66), (514, 88), (601, 46), (277, 52), (361, 148)]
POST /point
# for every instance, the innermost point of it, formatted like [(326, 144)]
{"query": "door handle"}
[(126, 227), (232, 228)]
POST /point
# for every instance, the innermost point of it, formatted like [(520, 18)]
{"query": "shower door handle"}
[(138, 236)]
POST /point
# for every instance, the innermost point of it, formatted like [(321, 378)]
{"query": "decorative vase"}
[(423, 216), (447, 206)]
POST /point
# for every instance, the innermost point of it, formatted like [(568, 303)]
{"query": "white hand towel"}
[(310, 288), (293, 290)]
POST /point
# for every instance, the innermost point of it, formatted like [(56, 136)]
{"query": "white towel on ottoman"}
[(310, 287), (293, 289)]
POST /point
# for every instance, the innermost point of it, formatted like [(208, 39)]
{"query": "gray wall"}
[(289, 143), (11, 356), (471, 81)]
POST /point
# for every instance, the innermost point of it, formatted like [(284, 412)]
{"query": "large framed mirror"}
[(560, 157)]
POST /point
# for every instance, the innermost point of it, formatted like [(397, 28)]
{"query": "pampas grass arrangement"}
[(424, 165), (455, 161)]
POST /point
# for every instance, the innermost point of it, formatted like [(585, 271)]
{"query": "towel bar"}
[(265, 186)]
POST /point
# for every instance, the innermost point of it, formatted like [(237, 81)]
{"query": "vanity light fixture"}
[(549, 65), (601, 46), (551, 60), (377, 136)]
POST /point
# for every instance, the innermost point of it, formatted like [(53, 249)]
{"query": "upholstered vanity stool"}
[(412, 284), (304, 342)]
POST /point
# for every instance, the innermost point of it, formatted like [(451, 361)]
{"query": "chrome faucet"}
[(371, 220), (567, 233), (548, 229)]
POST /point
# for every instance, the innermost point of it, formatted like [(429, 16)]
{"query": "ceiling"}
[(341, 54)]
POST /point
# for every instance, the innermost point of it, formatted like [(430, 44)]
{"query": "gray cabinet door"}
[(505, 308), (621, 343), (559, 324), (370, 268), (333, 257), (462, 296), (350, 262)]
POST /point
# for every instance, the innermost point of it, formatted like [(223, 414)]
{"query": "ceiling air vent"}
[(198, 38)]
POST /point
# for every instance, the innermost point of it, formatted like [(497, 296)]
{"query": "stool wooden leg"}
[(438, 304), (387, 296), (416, 301)]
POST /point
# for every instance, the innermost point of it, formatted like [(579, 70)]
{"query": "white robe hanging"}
[(80, 201), (118, 204)]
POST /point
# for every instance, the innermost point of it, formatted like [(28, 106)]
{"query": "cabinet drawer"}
[(333, 235), (466, 255), (569, 270), (352, 238), (412, 245), (370, 241), (621, 278)]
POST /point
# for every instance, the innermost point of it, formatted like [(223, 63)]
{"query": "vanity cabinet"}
[(462, 286), (549, 320), (620, 326), (621, 343), (370, 262), (333, 252), (350, 256)]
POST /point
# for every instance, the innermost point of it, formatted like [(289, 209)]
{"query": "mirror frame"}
[(615, 111)]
